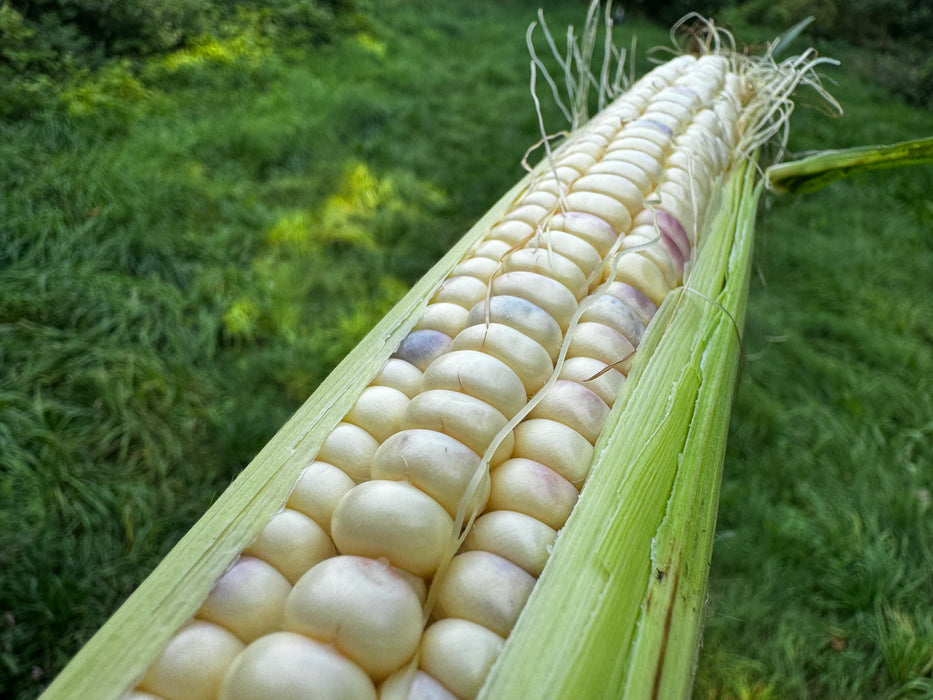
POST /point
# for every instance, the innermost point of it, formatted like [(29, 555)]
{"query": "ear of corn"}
[(390, 535)]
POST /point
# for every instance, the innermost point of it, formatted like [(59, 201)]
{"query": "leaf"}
[(815, 172)]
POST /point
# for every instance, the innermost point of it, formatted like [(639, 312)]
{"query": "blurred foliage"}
[(112, 27), (861, 22), (46, 42), (895, 35)]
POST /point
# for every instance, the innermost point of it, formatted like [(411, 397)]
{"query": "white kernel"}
[(552, 296), (589, 227), (603, 206), (529, 487), (411, 684), (480, 375), (193, 663), (671, 189), (616, 186), (684, 163), (652, 167), (248, 599), (540, 198), (395, 520), (605, 127), (463, 290), (492, 251), (706, 140), (459, 654), (680, 96), (484, 588), (290, 666), (401, 375), (628, 169), (665, 257), (349, 448), (525, 356), (672, 123), (581, 253), (470, 420), (555, 445), (515, 536), (589, 135), (380, 409), (511, 231), (628, 143), (292, 543), (703, 88), (444, 317), (417, 584), (556, 180), (616, 314), (435, 463), (480, 267), (658, 134), (600, 378), (644, 275), (522, 315), (549, 264), (581, 156), (603, 343), (363, 607), (531, 214), (317, 491), (573, 405)]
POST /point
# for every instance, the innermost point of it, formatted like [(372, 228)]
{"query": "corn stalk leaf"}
[(618, 609), (815, 172)]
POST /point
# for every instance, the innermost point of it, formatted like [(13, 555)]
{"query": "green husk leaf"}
[(663, 657), (618, 627), (118, 654), (784, 41), (815, 172)]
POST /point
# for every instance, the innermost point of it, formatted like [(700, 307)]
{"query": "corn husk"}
[(617, 611)]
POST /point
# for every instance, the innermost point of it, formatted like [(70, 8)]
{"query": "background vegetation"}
[(205, 205)]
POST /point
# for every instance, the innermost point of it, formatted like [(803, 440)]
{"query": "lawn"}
[(170, 228)]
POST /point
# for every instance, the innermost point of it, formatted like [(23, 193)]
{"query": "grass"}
[(169, 235)]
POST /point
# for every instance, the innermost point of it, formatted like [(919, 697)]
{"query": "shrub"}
[(114, 27)]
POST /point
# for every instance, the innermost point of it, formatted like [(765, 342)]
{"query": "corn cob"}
[(404, 553), (478, 433)]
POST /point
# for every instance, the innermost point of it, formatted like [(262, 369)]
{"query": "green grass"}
[(189, 243)]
